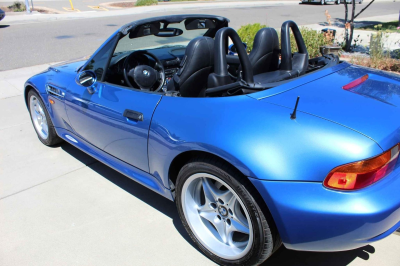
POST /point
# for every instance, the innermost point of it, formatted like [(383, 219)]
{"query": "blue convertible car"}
[(256, 149)]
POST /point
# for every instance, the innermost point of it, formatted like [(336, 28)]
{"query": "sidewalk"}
[(12, 81)]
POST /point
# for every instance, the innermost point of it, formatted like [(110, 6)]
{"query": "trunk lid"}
[(371, 108)]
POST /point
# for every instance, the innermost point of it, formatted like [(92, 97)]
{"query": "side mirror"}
[(233, 50), (86, 78)]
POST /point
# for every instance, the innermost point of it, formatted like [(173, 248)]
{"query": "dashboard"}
[(170, 57)]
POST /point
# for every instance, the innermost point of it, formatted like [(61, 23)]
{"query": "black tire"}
[(266, 238), (52, 138)]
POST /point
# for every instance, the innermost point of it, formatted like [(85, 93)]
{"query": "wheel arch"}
[(29, 87), (181, 159)]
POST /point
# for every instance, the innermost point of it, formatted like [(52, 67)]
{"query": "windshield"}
[(152, 41)]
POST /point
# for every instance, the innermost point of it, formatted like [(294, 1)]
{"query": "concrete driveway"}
[(59, 206)]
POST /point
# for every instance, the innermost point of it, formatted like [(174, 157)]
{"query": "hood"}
[(371, 108)]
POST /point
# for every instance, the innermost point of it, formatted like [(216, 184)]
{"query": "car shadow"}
[(4, 26), (282, 256), (285, 257), (137, 190)]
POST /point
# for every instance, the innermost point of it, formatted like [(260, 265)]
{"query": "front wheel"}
[(41, 120), (221, 216)]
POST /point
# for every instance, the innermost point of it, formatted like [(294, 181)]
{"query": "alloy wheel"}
[(38, 117), (217, 216)]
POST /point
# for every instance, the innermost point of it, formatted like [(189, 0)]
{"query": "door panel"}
[(99, 119)]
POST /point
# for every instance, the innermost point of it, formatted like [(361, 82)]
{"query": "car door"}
[(112, 118)]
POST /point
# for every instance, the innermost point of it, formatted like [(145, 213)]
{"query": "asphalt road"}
[(61, 5), (37, 43), (88, 5)]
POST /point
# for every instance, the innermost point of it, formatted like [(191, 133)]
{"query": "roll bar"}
[(286, 61), (221, 39)]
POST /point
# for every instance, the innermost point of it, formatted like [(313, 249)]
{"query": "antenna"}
[(293, 115)]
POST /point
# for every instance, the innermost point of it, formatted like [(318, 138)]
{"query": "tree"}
[(349, 24)]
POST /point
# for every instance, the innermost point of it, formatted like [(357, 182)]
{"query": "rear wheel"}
[(221, 216), (41, 120)]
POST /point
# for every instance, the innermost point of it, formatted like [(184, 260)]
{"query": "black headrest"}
[(196, 65), (264, 56), (266, 40), (199, 54)]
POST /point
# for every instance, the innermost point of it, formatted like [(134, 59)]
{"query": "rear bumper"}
[(311, 217)]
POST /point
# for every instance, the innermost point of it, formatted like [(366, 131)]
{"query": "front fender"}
[(58, 79), (37, 83), (259, 139)]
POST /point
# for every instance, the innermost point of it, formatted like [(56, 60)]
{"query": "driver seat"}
[(196, 65)]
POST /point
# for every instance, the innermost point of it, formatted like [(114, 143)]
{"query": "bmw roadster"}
[(256, 149)]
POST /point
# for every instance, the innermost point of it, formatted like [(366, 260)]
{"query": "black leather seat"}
[(292, 65), (196, 65), (265, 54)]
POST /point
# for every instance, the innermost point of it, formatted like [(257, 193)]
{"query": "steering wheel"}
[(144, 76)]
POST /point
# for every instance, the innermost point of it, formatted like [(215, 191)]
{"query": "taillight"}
[(363, 173)]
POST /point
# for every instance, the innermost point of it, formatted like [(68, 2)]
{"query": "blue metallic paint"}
[(373, 103), (312, 217), (258, 138), (98, 118), (130, 171), (255, 134)]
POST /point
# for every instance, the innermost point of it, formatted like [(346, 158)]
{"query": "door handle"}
[(133, 115)]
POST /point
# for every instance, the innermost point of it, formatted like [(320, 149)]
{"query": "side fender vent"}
[(52, 90)]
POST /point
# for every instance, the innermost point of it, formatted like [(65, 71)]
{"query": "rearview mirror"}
[(233, 50), (169, 32), (86, 78)]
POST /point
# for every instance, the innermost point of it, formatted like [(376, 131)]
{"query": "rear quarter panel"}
[(256, 137)]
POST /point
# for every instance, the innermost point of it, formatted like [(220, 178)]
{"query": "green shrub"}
[(17, 7), (376, 45), (313, 40), (248, 32), (146, 2)]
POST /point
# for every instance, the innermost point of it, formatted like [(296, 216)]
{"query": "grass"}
[(146, 2), (386, 26)]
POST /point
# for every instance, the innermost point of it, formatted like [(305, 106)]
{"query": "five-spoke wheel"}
[(217, 216), (41, 119), (221, 215), (38, 117)]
